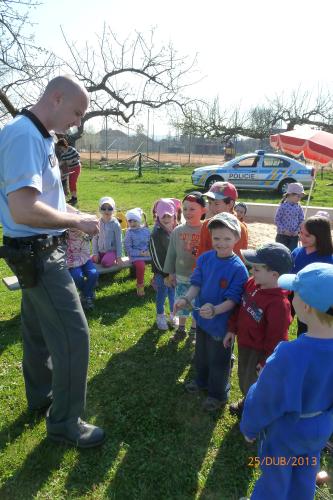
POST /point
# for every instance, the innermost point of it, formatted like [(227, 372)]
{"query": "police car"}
[(258, 170)]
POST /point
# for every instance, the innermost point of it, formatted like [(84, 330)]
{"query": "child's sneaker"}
[(89, 304), (179, 334), (212, 404), (232, 362), (192, 387), (237, 408), (72, 201), (161, 322), (192, 331), (173, 320)]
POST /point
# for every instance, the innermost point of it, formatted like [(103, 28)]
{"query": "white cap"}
[(295, 188), (134, 214), (108, 200)]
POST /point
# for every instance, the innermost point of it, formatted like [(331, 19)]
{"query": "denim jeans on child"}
[(85, 278), (212, 363), (162, 292), (290, 242)]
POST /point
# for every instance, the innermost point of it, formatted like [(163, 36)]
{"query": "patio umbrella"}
[(315, 145)]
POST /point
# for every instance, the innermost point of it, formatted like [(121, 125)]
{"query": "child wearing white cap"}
[(106, 245), (289, 409), (136, 244)]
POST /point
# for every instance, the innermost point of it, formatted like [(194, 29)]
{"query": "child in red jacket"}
[(263, 317)]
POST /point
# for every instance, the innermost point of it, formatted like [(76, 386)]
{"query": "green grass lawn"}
[(160, 445), (128, 190)]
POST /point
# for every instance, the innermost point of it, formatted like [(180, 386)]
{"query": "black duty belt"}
[(39, 242)]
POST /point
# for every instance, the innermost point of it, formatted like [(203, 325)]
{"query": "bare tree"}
[(121, 76), (208, 120), (125, 76), (304, 108), (24, 66)]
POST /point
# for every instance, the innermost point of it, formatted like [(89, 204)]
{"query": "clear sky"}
[(247, 49)]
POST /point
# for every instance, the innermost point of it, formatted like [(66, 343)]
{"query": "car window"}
[(249, 162), (272, 162)]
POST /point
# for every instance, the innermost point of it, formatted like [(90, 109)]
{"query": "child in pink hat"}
[(165, 222)]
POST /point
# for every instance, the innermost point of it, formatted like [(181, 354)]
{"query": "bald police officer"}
[(34, 217)]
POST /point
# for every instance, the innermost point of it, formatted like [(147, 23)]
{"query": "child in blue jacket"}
[(290, 408), (217, 286), (136, 244)]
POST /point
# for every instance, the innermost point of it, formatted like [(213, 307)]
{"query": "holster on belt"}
[(23, 256), (24, 262)]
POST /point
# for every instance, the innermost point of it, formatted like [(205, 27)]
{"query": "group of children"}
[(107, 249), (201, 266)]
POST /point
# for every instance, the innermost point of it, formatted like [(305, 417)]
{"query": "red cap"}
[(222, 190)]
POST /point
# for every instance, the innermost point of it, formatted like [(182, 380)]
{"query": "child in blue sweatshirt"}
[(290, 408), (217, 286)]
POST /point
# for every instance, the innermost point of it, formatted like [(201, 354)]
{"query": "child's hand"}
[(167, 281), (170, 281), (207, 311), (119, 261), (95, 259), (180, 304), (249, 440), (228, 339)]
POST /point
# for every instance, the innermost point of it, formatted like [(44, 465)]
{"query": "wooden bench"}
[(12, 283), (116, 267)]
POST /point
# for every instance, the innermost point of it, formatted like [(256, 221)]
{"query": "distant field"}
[(181, 159), (174, 158)]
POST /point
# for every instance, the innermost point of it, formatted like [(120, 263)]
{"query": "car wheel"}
[(210, 181), (283, 186)]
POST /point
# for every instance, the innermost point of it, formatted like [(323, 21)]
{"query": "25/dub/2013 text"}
[(282, 461)]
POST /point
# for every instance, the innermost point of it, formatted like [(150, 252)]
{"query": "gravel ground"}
[(260, 233)]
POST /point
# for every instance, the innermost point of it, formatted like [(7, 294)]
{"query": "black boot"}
[(72, 201)]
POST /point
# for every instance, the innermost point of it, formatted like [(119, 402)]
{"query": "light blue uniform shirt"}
[(27, 159)]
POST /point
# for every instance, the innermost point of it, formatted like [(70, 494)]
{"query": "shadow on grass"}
[(108, 279), (157, 435), (108, 313), (10, 332), (234, 453), (10, 433), (39, 465)]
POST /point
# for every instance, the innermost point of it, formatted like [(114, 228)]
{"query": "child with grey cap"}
[(290, 408), (263, 317), (217, 286)]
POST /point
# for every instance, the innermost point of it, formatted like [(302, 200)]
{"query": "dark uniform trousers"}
[(55, 342)]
